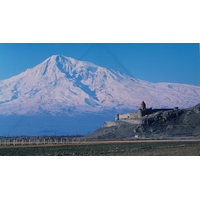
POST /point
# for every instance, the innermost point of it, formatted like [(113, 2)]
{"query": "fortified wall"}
[(136, 118)]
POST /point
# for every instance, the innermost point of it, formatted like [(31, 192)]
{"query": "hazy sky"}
[(176, 63)]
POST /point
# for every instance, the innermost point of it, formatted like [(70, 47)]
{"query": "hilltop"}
[(161, 124)]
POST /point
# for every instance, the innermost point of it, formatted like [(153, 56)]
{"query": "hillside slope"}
[(180, 122)]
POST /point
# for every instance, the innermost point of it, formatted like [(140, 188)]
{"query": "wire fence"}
[(38, 141)]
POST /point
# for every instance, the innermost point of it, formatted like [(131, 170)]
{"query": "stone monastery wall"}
[(126, 116), (134, 118)]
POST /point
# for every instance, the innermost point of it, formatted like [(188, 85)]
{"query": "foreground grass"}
[(189, 148)]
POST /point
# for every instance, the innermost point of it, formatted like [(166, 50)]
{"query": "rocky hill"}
[(172, 123)]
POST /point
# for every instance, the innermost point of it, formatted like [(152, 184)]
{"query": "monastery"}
[(136, 118)]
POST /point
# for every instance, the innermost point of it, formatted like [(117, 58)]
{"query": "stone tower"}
[(143, 106)]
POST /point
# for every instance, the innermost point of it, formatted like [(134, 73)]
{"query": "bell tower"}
[(143, 106)]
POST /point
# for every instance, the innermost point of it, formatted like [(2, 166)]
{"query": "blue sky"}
[(158, 62)]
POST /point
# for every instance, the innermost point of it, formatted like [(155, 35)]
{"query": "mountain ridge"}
[(62, 85)]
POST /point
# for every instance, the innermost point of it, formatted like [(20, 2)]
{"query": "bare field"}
[(109, 148)]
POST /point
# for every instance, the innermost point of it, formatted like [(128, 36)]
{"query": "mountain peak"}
[(55, 65), (58, 57), (61, 58)]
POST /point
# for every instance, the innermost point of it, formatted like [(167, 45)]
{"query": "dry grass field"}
[(109, 148)]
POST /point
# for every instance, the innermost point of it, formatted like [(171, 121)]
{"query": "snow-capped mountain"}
[(64, 86)]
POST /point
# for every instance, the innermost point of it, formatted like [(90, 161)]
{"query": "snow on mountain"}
[(64, 86)]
